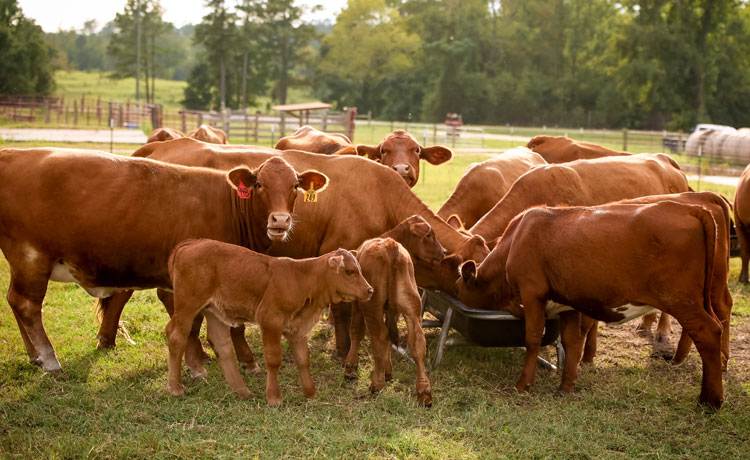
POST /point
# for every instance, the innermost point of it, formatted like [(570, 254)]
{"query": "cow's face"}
[(401, 151), (273, 189), (473, 290), (422, 244), (345, 279)]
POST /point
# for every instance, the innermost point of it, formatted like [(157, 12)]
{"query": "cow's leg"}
[(301, 353), (723, 310), (589, 334), (341, 319), (244, 354), (534, 316), (644, 327), (195, 355), (743, 238), (663, 329), (218, 332), (271, 335), (379, 343), (572, 341), (415, 338), (356, 333), (110, 309), (177, 330), (25, 296), (705, 330)]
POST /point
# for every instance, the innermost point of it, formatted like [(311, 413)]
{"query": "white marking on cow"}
[(62, 272), (66, 273), (629, 311)]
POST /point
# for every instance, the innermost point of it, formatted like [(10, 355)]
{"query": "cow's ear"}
[(455, 222), (369, 151), (420, 229), (336, 263), (469, 272), (436, 154), (354, 253), (241, 176), (318, 180)]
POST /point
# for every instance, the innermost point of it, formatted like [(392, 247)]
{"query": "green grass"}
[(114, 404)]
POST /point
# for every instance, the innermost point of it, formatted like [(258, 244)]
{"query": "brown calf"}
[(208, 134), (603, 261), (387, 265), (742, 221), (560, 149), (233, 285), (309, 139), (164, 134), (401, 151)]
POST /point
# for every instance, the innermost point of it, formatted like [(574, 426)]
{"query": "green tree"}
[(26, 59), (218, 34)]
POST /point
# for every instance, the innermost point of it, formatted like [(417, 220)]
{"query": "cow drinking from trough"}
[(98, 220), (233, 285), (604, 261)]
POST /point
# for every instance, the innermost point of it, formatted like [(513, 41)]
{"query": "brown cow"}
[(742, 221), (309, 139), (484, 184), (721, 297), (402, 152), (164, 134), (209, 134), (233, 285), (560, 149), (584, 183), (345, 216), (99, 220), (388, 265), (604, 261)]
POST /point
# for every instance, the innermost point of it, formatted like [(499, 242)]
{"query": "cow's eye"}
[(419, 150), (349, 272), (296, 186), (257, 185)]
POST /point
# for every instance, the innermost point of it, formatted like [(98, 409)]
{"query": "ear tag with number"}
[(243, 192), (311, 196)]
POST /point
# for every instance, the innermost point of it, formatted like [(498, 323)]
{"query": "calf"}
[(387, 265), (742, 221), (603, 261), (401, 151), (233, 285), (309, 139), (164, 134), (208, 134)]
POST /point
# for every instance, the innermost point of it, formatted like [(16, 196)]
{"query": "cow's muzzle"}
[(279, 224)]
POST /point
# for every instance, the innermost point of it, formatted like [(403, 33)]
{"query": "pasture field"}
[(114, 404)]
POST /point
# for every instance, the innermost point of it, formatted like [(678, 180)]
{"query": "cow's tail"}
[(709, 232), (173, 254), (390, 322)]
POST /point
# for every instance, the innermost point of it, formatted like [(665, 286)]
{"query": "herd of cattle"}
[(558, 226)]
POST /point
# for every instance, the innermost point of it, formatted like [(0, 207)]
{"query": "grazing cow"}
[(388, 265), (604, 261), (560, 149), (484, 184), (233, 285), (309, 139), (742, 221), (721, 297), (584, 183), (402, 152), (208, 134), (345, 216), (164, 134), (99, 220)]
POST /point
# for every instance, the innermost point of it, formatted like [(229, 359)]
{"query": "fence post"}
[(98, 111), (183, 121), (46, 111), (255, 134), (679, 143), (324, 124), (434, 133), (200, 118), (282, 125), (625, 139), (247, 127), (75, 112)]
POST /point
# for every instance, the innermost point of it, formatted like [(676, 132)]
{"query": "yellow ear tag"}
[(367, 155), (311, 196)]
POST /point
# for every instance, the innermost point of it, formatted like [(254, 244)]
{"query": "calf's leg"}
[(356, 333), (341, 320), (244, 354), (589, 334), (177, 331), (572, 341), (743, 237), (380, 345), (663, 328), (271, 335), (218, 332), (644, 327), (534, 317), (418, 347), (301, 353), (194, 352)]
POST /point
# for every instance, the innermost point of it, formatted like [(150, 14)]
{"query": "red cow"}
[(560, 149), (208, 134), (309, 139)]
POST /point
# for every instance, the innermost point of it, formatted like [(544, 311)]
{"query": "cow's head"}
[(401, 151), (443, 276), (272, 189), (420, 241), (473, 290), (345, 281)]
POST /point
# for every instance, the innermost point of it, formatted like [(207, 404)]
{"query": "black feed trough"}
[(484, 328)]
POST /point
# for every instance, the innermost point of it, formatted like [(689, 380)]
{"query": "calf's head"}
[(419, 240), (272, 189), (401, 151), (344, 278)]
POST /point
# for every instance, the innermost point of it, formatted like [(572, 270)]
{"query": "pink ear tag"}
[(243, 192)]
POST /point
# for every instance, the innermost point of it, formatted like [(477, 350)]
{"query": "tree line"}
[(590, 63)]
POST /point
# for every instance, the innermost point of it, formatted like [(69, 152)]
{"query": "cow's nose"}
[(402, 169), (445, 252), (279, 220)]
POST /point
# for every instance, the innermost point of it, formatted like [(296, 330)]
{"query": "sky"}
[(55, 14)]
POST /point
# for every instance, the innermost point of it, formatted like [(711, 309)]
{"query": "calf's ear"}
[(241, 176), (469, 272), (455, 222), (354, 253), (369, 151), (436, 154), (318, 180), (420, 229), (336, 263)]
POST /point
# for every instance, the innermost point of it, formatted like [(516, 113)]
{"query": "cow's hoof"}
[(661, 338), (374, 390), (641, 332), (198, 373), (252, 369), (350, 377), (275, 402), (424, 398), (105, 343), (177, 390), (710, 405), (243, 393), (58, 373), (388, 377)]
